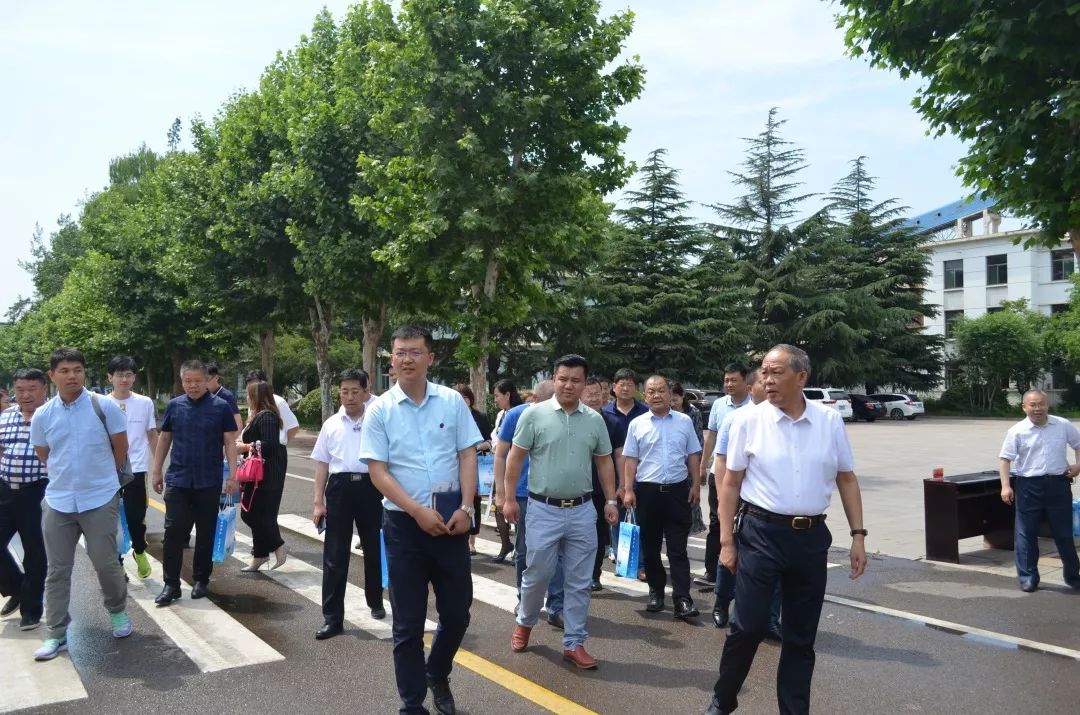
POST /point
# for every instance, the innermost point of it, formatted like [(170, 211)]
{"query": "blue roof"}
[(949, 214)]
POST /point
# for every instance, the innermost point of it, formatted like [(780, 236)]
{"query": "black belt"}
[(561, 503), (795, 522), (1043, 476), (15, 486), (664, 487), (351, 476)]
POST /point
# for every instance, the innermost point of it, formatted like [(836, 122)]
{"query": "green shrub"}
[(308, 408)]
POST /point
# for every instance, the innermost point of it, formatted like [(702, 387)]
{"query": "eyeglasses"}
[(415, 354)]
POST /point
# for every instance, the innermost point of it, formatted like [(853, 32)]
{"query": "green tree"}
[(1002, 76), (504, 114), (997, 350)]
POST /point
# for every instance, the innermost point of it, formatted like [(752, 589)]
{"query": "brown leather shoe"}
[(580, 657), (519, 641)]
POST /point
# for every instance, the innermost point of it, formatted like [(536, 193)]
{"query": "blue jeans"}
[(555, 587), (569, 534), (1036, 496)]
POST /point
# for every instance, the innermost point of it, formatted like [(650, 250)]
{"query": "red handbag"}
[(251, 470)]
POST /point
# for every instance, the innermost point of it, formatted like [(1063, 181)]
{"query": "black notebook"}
[(446, 503)]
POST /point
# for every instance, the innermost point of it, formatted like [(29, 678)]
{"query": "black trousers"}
[(603, 535), (416, 559), (712, 539), (350, 503), (261, 517), (20, 513), (134, 496), (185, 508), (796, 559), (664, 514)]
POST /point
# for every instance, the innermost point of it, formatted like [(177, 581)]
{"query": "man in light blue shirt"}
[(662, 479), (419, 442), (82, 452)]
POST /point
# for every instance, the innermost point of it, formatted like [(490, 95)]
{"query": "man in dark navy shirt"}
[(213, 384), (197, 425), (624, 408), (593, 397)]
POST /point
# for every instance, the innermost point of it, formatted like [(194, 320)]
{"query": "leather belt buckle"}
[(567, 503), (801, 522), (665, 488), (356, 477)]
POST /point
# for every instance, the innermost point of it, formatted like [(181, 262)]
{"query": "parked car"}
[(866, 408), (901, 405), (836, 399), (705, 401)]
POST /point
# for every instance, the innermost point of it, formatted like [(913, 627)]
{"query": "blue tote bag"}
[(485, 467), (626, 559), (225, 531)]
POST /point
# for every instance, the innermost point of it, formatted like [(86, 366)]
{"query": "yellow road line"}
[(527, 689)]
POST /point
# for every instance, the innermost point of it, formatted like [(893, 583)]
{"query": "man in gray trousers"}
[(82, 439)]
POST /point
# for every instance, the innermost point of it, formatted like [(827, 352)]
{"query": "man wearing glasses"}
[(419, 442)]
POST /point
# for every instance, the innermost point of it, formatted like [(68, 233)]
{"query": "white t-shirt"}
[(141, 417), (288, 419)]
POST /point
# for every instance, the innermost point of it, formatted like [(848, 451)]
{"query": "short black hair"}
[(66, 355), (29, 373), (192, 366), (255, 376), (411, 332), (594, 380), (738, 367), (122, 363), (625, 373), (571, 360), (353, 374), (212, 368)]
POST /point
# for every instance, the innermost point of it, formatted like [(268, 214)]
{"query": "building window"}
[(954, 274), (1062, 264), (994, 309), (951, 316), (1059, 308), (997, 270)]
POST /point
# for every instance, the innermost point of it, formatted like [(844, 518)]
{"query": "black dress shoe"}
[(655, 604), (10, 606), (327, 631), (596, 585), (773, 633), (441, 697), (714, 708), (199, 589), (720, 615), (378, 613), (167, 595), (684, 609)]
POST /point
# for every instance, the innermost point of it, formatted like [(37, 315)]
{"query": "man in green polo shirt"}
[(562, 439)]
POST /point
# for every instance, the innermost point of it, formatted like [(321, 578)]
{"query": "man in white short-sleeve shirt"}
[(1037, 476), (784, 457)]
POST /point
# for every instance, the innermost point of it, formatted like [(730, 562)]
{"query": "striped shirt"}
[(19, 463)]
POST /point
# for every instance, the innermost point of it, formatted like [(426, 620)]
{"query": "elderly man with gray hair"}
[(1036, 476)]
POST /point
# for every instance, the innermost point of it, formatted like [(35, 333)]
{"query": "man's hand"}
[(695, 495), (459, 523), (431, 522), (318, 512), (232, 487), (611, 514), (629, 500), (858, 556), (729, 556), (1074, 470), (157, 482), (1007, 495), (511, 510)]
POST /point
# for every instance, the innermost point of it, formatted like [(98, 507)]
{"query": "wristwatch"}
[(612, 502), (468, 509), (861, 532)]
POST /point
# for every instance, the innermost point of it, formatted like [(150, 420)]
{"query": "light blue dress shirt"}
[(721, 408), (725, 428), (82, 470), (419, 443), (661, 445)]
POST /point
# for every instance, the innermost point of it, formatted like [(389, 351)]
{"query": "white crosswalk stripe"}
[(26, 683)]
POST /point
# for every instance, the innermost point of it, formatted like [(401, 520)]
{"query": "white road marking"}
[(212, 638), (297, 476), (24, 682)]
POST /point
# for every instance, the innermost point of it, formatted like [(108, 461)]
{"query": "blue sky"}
[(84, 82)]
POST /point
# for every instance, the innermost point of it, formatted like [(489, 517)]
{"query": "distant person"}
[(624, 407), (23, 479), (196, 428), (484, 447), (82, 452), (142, 443), (263, 499), (506, 397), (593, 397), (680, 402), (5, 399), (289, 424), (1036, 476), (213, 384)]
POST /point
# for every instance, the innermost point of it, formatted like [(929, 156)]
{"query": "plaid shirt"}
[(20, 464)]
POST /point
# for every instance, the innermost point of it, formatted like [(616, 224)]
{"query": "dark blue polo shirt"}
[(638, 409), (198, 429), (226, 394)]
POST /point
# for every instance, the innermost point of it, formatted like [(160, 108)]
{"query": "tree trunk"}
[(373, 330), (321, 315), (177, 360), (484, 294), (266, 354), (151, 382)]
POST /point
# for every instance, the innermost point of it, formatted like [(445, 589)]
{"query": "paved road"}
[(908, 637)]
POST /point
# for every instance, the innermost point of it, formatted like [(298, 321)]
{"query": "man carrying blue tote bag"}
[(225, 531), (626, 563)]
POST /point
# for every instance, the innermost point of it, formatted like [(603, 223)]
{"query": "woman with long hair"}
[(264, 498), (506, 397)]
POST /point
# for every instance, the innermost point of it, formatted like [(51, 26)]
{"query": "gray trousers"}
[(62, 531)]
